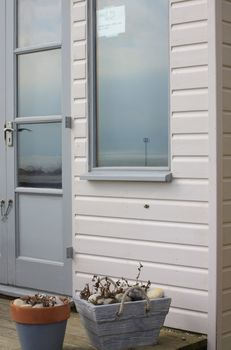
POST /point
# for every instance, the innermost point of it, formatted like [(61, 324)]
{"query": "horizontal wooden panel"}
[(143, 230), (226, 277), (189, 12), (226, 27), (188, 320), (226, 11), (178, 189), (79, 31), (226, 74), (227, 189), (227, 122), (191, 33), (189, 212), (190, 168), (79, 108), (226, 322), (192, 79), (227, 144), (226, 300), (79, 128), (185, 145), (227, 212), (79, 12), (143, 251), (79, 70), (227, 234), (227, 100), (227, 167), (181, 298), (186, 124), (79, 166), (226, 341), (80, 148), (226, 55), (226, 256), (79, 50), (190, 101), (79, 89), (160, 274), (189, 56)]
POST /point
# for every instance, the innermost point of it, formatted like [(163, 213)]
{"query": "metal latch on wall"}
[(69, 253), (8, 134)]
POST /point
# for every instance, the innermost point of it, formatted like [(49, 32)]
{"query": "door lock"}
[(2, 206), (8, 134)]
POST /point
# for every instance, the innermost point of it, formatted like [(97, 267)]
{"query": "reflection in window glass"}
[(39, 155), (39, 22), (39, 83), (132, 69)]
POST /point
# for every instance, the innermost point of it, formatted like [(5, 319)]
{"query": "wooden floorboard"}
[(76, 339)]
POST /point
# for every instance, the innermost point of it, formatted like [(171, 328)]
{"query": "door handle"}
[(8, 134), (2, 206), (9, 206)]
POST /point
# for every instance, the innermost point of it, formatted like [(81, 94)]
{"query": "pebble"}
[(155, 293), (119, 297), (19, 302), (95, 299)]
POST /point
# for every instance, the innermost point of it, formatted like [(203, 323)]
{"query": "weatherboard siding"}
[(112, 229), (226, 124)]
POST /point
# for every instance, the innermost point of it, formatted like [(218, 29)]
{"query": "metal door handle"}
[(9, 206), (2, 206), (8, 134)]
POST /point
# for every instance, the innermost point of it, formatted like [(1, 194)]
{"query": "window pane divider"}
[(47, 191), (42, 119), (36, 48)]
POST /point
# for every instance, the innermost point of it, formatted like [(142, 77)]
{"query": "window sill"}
[(151, 176)]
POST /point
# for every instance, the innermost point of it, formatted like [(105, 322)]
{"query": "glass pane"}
[(132, 55), (39, 83), (39, 22), (39, 155)]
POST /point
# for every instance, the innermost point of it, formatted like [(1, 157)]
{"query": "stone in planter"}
[(40, 328)]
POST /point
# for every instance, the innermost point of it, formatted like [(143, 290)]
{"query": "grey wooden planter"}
[(133, 327)]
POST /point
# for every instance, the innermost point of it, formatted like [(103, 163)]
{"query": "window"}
[(129, 85)]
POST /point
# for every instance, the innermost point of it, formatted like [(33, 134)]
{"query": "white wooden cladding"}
[(112, 229), (226, 152)]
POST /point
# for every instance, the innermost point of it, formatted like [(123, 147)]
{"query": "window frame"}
[(159, 174)]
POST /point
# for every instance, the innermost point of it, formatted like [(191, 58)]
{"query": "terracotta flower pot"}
[(41, 328)]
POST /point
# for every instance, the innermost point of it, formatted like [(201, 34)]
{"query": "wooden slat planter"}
[(134, 327)]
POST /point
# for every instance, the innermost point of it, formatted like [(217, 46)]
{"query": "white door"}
[(37, 180)]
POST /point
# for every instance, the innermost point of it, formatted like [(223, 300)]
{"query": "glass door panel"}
[(39, 83), (39, 22), (40, 155)]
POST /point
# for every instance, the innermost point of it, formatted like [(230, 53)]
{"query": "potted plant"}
[(41, 321), (118, 315)]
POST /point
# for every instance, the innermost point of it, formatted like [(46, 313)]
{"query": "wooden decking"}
[(76, 338)]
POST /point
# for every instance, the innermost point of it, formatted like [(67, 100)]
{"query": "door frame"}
[(11, 105)]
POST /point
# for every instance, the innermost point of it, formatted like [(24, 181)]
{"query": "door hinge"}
[(69, 253), (68, 122)]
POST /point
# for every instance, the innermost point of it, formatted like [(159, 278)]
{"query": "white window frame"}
[(155, 174)]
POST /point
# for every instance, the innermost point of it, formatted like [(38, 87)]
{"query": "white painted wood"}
[(189, 56), (185, 319), (190, 123), (191, 78), (190, 145), (189, 12), (190, 167), (179, 189), (144, 251), (189, 234), (190, 101), (175, 211), (178, 276), (189, 33)]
